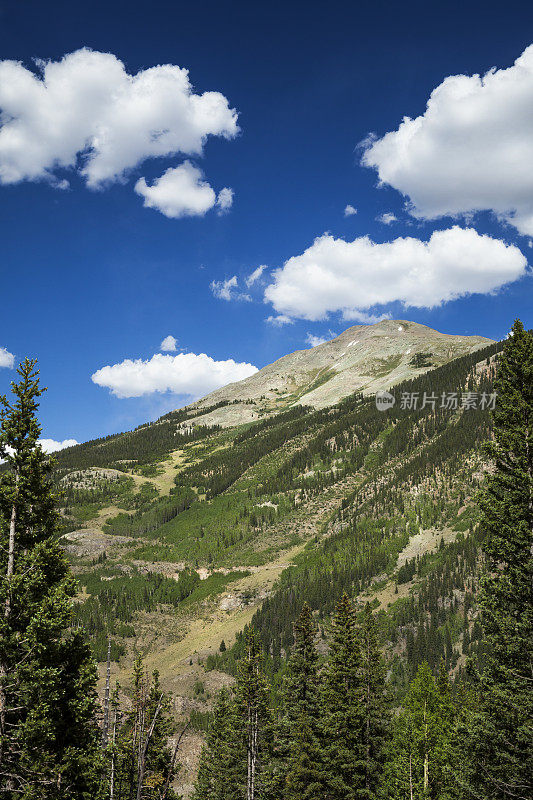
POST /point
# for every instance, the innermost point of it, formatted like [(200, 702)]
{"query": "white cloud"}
[(279, 320), (349, 211), (314, 341), (85, 112), (223, 289), (7, 359), (471, 150), (356, 315), (225, 200), (227, 290), (179, 192), (387, 218), (255, 275), (51, 446), (351, 277), (185, 374), (169, 344)]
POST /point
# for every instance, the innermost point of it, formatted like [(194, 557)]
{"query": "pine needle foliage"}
[(48, 733), (499, 737)]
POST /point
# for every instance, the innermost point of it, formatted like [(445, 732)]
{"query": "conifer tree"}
[(375, 715), (48, 735), (305, 778), (499, 735), (223, 759), (343, 716), (297, 770)]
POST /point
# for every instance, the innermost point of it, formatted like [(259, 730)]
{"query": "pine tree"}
[(223, 759), (252, 703), (296, 769), (305, 778), (499, 735), (48, 735), (343, 714), (375, 715)]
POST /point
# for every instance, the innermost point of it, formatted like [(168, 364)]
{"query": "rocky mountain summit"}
[(365, 358)]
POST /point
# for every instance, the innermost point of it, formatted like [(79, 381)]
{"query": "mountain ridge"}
[(364, 358)]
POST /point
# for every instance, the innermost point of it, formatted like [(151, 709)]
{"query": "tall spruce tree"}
[(48, 735), (375, 713), (498, 739), (223, 758), (343, 714), (297, 771)]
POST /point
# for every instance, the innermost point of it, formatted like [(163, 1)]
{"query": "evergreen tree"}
[(223, 759), (305, 778), (342, 707), (375, 716), (48, 734), (499, 736), (296, 769)]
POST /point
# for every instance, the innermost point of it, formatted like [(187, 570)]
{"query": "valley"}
[(178, 549)]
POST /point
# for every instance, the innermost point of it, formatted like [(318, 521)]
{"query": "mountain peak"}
[(364, 358)]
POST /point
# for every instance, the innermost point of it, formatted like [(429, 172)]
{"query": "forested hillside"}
[(310, 545)]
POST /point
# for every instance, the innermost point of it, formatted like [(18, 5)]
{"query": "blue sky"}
[(92, 277)]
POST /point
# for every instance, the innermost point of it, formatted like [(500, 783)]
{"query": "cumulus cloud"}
[(471, 150), (349, 211), (179, 192), (228, 290), (169, 344), (387, 218), (225, 200), (51, 446), (85, 112), (351, 277), (7, 359), (254, 276), (184, 374)]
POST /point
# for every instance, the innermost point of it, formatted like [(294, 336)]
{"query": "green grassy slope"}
[(194, 524)]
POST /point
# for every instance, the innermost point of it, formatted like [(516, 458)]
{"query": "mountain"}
[(186, 530), (365, 358)]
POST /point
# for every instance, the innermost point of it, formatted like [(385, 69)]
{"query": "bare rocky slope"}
[(365, 358)]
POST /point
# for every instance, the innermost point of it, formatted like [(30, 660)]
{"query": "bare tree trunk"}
[(105, 726), (112, 769), (252, 754), (426, 755), (163, 795), (144, 751), (11, 555), (7, 613)]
